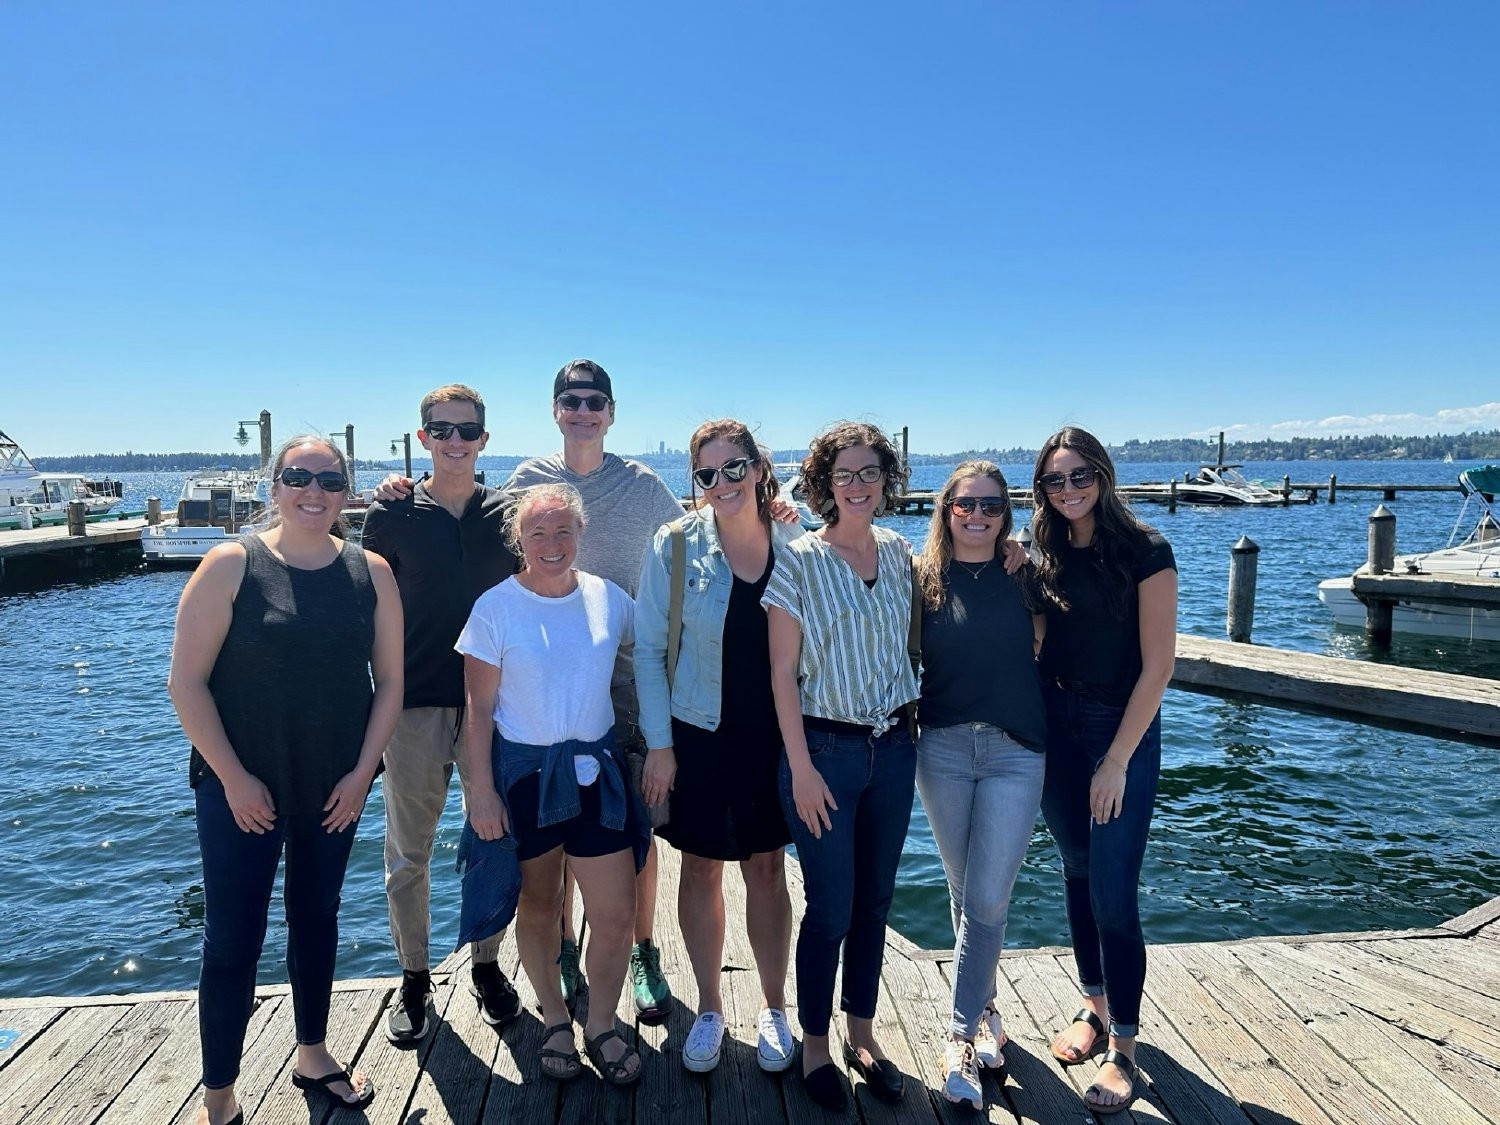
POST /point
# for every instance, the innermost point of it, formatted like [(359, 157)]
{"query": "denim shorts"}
[(581, 836)]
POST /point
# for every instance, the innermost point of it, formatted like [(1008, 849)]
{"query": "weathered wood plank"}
[(455, 1076), (1365, 1042), (160, 1089), (1457, 962), (1438, 589), (1436, 703), (517, 1091), (19, 1026), (1258, 1081), (1339, 1088), (1183, 1081), (1484, 915), (52, 1055), (265, 1034)]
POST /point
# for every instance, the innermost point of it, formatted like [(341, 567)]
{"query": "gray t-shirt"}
[(624, 502)]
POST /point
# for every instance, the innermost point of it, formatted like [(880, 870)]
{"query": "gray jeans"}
[(419, 763), (981, 790)]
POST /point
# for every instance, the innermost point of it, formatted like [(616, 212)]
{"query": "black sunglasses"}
[(329, 481), (845, 477), (987, 505), (734, 470), (570, 403), (442, 431), (1080, 478)]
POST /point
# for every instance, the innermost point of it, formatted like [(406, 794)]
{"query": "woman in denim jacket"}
[(712, 736)]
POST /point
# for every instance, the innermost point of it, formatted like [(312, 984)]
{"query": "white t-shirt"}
[(555, 657)]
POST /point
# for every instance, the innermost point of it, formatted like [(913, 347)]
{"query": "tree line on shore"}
[(1478, 445)]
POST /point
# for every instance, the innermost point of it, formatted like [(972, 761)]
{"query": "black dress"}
[(725, 802)]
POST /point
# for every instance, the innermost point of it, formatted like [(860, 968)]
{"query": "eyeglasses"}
[(1080, 478), (329, 481), (734, 470), (987, 505), (572, 403), (868, 475), (442, 431)]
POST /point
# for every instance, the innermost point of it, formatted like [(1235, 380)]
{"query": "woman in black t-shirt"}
[(1110, 588)]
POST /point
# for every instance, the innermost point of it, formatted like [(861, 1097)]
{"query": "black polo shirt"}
[(442, 565)]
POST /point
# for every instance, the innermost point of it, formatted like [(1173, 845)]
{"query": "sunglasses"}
[(329, 481), (868, 475), (572, 403), (1080, 478), (734, 470), (987, 505), (442, 431)]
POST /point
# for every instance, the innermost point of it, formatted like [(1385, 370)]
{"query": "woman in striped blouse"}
[(839, 607)]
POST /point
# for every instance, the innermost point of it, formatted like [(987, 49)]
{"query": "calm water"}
[(1268, 822)]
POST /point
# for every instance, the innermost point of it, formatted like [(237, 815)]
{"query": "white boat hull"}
[(167, 543)]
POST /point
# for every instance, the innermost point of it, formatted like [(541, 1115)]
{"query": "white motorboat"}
[(1215, 485), (46, 496), (789, 473), (1478, 554), (215, 506)]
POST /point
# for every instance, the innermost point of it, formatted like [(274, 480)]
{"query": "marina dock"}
[(54, 544), (1391, 1026)]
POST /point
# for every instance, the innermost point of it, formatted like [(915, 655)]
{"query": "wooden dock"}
[(1400, 1026), (52, 544), (1470, 590)]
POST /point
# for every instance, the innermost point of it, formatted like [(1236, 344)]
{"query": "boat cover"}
[(1481, 478)]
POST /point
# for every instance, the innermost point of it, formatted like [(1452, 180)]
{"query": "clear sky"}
[(982, 220)]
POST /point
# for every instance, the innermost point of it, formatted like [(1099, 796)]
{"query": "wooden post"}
[(349, 453), (77, 518), (1286, 491), (153, 510), (1221, 449), (905, 447), (406, 441), (265, 440), (1381, 560), (1333, 488), (1172, 496), (1244, 558)]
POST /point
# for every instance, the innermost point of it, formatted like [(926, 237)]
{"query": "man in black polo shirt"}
[(446, 545)]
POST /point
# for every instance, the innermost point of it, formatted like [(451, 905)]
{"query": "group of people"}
[(603, 668)]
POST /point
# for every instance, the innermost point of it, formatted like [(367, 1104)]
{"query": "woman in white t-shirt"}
[(539, 650)]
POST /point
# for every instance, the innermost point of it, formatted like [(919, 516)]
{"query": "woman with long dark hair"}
[(980, 754), (839, 606), (279, 636), (710, 725), (1110, 588)]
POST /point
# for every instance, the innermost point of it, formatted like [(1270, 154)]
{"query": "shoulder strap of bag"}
[(674, 609)]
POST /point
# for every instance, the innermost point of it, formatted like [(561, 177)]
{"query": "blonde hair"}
[(937, 552), (564, 494)]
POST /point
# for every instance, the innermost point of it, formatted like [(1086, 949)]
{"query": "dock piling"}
[(1172, 496), (153, 510), (1286, 490), (77, 518), (1333, 487), (1244, 559), (1381, 560)]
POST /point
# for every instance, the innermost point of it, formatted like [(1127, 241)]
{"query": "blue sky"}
[(980, 220)]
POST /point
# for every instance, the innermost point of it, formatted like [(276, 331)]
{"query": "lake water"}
[(1268, 821)]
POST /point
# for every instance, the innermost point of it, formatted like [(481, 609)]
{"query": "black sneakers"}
[(411, 1015), (498, 1002)]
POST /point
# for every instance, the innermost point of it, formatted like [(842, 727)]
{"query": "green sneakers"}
[(573, 984), (653, 997)]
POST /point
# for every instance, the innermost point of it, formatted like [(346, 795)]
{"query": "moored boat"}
[(1476, 555), (1215, 485), (43, 498), (215, 505)]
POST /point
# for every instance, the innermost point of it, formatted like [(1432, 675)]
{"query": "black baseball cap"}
[(582, 375)]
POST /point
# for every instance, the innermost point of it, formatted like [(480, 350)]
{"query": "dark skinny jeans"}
[(239, 870), (849, 873), (1101, 862)]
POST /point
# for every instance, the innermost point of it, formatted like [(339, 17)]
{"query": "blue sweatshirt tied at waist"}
[(491, 871)]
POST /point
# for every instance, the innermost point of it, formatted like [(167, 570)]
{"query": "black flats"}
[(882, 1076), (825, 1086)]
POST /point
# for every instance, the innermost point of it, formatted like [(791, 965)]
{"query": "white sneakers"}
[(962, 1084), (988, 1038), (774, 1045), (774, 1048), (700, 1053)]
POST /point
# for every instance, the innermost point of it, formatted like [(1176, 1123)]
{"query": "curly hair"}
[(737, 434), (528, 499), (937, 553), (817, 466), (1118, 532)]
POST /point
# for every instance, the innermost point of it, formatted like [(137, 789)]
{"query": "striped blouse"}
[(854, 667)]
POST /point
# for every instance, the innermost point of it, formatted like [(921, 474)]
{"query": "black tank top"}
[(292, 679)]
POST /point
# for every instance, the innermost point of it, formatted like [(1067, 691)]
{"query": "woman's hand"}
[(659, 776), (487, 814), (780, 510), (1107, 790), (1014, 556), (346, 801), (250, 802), (813, 800)]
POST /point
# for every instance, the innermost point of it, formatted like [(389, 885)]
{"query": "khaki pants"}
[(419, 765)]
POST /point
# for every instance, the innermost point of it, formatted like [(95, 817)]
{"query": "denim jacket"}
[(696, 692)]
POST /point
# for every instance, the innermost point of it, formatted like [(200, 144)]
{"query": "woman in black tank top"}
[(286, 676)]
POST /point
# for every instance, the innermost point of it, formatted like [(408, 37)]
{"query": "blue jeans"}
[(849, 873), (239, 869), (1101, 862), (981, 790)]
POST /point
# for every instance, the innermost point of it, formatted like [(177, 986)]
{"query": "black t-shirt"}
[(441, 565), (977, 660), (1089, 644)]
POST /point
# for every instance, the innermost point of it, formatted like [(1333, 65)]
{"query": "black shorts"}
[(581, 836)]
